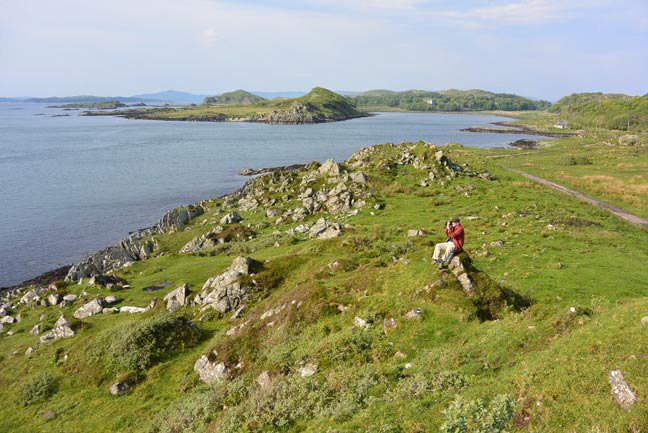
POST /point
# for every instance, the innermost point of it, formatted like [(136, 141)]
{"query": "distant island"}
[(107, 105), (444, 101), (317, 106)]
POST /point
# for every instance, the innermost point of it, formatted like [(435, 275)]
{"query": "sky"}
[(537, 48)]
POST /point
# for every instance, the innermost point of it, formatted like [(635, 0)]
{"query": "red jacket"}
[(456, 233)]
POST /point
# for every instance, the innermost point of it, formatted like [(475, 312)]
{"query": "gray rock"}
[(118, 388), (90, 309), (110, 310), (71, 297), (644, 321), (29, 351), (231, 218), (361, 323), (623, 395), (323, 230), (388, 324), (457, 268), (413, 314), (62, 329), (497, 244), (132, 310), (264, 381), (204, 241), (329, 168), (111, 299), (4, 311), (8, 319), (359, 177), (307, 370), (210, 371), (49, 415), (54, 299), (35, 330), (177, 298), (225, 292), (273, 213), (414, 233), (238, 313), (31, 296)]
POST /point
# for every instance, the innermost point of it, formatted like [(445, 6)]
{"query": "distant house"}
[(561, 124), (429, 101)]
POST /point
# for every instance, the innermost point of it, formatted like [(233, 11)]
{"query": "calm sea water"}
[(72, 185)]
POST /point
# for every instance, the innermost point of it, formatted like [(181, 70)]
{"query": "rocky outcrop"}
[(225, 292), (204, 241), (136, 246), (459, 271), (322, 229)]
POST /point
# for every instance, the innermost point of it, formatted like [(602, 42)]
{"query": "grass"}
[(557, 253)]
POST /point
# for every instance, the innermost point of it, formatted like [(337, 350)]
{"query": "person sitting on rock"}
[(455, 232)]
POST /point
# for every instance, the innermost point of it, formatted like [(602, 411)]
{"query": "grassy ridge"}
[(444, 101), (557, 252), (607, 111)]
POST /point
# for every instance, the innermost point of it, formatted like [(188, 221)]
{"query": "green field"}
[(516, 341)]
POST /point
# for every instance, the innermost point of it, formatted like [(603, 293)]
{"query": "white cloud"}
[(523, 12), (211, 36)]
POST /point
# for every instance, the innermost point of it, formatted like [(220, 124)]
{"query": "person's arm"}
[(448, 229)]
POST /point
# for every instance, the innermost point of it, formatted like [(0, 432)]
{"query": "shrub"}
[(38, 388), (190, 413), (474, 417), (134, 347), (578, 160)]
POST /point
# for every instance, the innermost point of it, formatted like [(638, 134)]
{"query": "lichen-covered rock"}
[(62, 329), (225, 292), (90, 309), (623, 395), (209, 370), (329, 168)]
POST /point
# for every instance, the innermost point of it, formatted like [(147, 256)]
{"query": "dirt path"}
[(631, 218)]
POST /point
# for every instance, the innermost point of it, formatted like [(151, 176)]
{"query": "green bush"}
[(38, 388), (475, 417), (136, 346), (189, 414)]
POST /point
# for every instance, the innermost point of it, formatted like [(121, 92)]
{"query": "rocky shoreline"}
[(516, 129)]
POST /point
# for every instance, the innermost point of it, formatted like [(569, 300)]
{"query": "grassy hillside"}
[(319, 105), (608, 111), (557, 305), (236, 97), (446, 100)]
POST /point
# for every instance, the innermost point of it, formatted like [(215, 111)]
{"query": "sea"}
[(71, 184)]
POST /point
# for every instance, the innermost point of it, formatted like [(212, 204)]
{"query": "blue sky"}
[(538, 48)]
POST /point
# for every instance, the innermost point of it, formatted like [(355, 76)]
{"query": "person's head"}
[(454, 222)]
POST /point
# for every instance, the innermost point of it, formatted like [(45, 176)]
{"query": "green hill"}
[(608, 111), (312, 305), (237, 97), (318, 105), (445, 100)]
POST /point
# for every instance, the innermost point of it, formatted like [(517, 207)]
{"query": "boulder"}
[(90, 309), (62, 329), (225, 292), (459, 271), (414, 233), (177, 298), (31, 296), (329, 168), (209, 370), (248, 203), (361, 323), (623, 395), (111, 299), (8, 319), (29, 351), (359, 177), (644, 321), (70, 298), (54, 299), (413, 314), (264, 381), (307, 370), (35, 330), (273, 213), (231, 218), (323, 230), (118, 388), (132, 310)]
